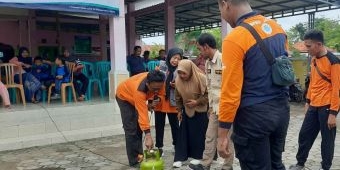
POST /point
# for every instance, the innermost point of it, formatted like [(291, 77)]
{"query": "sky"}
[(286, 23)]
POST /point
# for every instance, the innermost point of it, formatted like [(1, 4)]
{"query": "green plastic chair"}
[(152, 65), (103, 68), (90, 72)]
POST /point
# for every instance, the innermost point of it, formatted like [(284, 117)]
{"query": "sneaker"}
[(177, 164), (198, 167), (55, 96), (195, 162), (296, 167)]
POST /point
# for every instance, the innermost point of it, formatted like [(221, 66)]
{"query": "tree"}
[(187, 40), (330, 28), (296, 33)]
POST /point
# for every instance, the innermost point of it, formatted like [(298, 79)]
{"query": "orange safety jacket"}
[(246, 75), (165, 106), (320, 91), (135, 91)]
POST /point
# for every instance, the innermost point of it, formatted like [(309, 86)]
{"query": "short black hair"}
[(136, 48), (62, 59), (315, 35), (161, 50), (207, 39), (38, 58), (146, 53), (155, 76), (7, 51)]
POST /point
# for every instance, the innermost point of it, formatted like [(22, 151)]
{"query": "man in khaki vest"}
[(206, 43)]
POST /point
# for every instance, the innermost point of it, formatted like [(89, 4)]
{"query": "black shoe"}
[(160, 152), (198, 167), (135, 166)]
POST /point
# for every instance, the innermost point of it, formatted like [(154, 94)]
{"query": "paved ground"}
[(109, 153)]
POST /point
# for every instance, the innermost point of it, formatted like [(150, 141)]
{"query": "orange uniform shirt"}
[(321, 92), (235, 50), (134, 91), (165, 106)]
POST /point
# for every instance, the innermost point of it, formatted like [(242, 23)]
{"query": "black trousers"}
[(133, 133), (81, 89), (191, 137), (316, 120), (259, 134), (160, 123)]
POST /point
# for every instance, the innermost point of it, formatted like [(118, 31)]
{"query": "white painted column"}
[(118, 50), (225, 28)]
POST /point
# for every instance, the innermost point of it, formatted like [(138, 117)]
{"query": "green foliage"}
[(296, 53), (330, 28), (155, 49), (296, 33), (187, 40)]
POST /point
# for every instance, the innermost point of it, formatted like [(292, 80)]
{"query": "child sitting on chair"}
[(62, 75), (42, 71), (4, 95)]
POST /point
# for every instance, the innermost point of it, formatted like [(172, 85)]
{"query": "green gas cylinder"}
[(152, 160)]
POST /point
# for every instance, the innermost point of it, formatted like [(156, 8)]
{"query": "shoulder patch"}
[(267, 28), (332, 58)]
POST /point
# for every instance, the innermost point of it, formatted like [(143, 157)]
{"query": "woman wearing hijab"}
[(192, 106), (31, 84), (24, 57), (168, 101)]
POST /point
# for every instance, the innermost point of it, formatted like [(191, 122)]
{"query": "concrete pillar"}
[(225, 29), (23, 33), (32, 38), (169, 25), (103, 38), (130, 28), (118, 71)]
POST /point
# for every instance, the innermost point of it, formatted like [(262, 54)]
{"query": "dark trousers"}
[(259, 134), (191, 137), (160, 123), (316, 120), (133, 133), (81, 89)]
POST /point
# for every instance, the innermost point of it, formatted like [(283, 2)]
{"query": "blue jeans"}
[(58, 83)]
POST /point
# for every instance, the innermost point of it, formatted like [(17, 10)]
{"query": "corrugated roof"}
[(202, 14)]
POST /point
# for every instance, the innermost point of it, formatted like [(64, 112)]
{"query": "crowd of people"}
[(232, 104), (37, 74)]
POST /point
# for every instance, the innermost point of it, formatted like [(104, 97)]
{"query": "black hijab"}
[(27, 60), (171, 69)]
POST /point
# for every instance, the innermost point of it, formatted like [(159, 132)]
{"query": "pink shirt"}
[(15, 61)]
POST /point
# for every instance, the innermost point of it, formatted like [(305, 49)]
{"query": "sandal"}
[(34, 101), (81, 98)]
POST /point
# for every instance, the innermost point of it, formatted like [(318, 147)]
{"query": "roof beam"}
[(182, 2), (149, 10), (335, 3)]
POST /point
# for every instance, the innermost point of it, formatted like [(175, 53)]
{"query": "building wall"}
[(9, 34), (300, 69)]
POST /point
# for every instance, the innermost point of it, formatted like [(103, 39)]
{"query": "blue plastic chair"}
[(152, 65), (103, 68), (90, 72)]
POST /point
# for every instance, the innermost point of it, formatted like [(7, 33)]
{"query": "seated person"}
[(42, 71), (62, 75), (4, 95), (77, 75)]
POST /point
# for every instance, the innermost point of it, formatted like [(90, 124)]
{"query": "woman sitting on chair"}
[(31, 84)]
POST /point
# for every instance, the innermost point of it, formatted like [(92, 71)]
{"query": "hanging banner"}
[(104, 7)]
